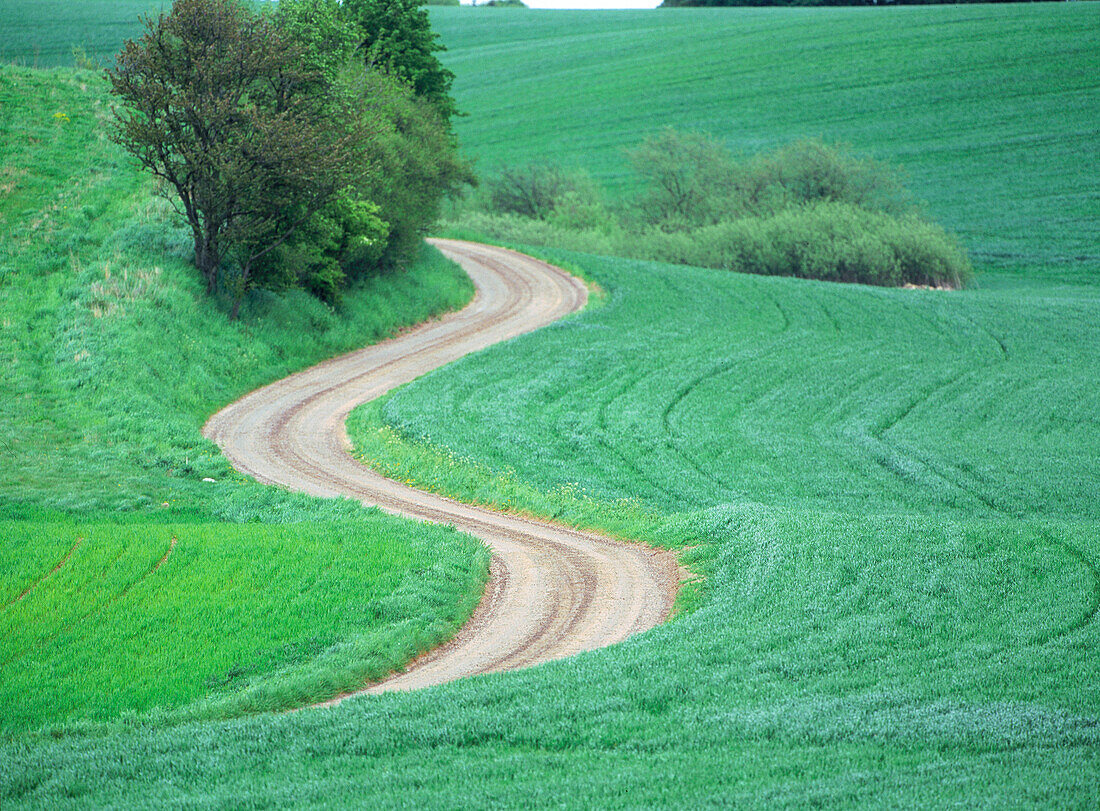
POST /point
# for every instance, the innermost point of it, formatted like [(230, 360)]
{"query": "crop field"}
[(793, 394), (891, 495), (227, 618), (43, 33), (991, 109), (111, 362), (999, 100)]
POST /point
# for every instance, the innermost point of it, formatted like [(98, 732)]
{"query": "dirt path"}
[(553, 591)]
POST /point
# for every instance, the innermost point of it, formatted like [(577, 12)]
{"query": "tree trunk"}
[(207, 260), (242, 288)]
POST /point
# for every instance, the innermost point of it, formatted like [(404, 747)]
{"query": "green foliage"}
[(397, 37), (807, 210), (810, 171), (830, 241), (325, 36), (347, 233), (414, 160), (222, 109), (303, 168), (690, 180), (536, 191)]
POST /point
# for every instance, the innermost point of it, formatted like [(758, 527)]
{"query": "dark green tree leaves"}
[(397, 37)]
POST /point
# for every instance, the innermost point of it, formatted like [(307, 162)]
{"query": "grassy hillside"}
[(44, 33), (991, 109), (892, 493), (800, 395), (111, 359)]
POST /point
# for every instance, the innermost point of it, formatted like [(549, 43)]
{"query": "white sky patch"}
[(587, 4)]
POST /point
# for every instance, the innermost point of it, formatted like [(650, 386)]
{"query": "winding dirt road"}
[(553, 591)]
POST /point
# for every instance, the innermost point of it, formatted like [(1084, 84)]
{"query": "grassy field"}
[(794, 394), (892, 493), (44, 33), (111, 359), (215, 620), (929, 88), (991, 109)]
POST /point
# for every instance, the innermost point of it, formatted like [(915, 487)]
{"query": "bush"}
[(807, 209), (535, 190), (829, 241), (690, 180), (810, 170)]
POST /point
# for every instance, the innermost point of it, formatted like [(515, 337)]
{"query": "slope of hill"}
[(892, 493), (990, 109), (121, 574)]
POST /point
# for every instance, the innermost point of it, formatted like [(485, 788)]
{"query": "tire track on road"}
[(553, 591)]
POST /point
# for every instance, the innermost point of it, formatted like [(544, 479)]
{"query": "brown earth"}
[(553, 591)]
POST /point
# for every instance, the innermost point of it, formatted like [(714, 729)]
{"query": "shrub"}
[(810, 170), (808, 209), (828, 241), (529, 191), (690, 180)]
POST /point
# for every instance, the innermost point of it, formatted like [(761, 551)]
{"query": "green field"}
[(111, 359), (892, 493), (218, 619), (43, 33), (991, 109)]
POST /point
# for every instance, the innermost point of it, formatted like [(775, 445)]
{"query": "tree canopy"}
[(397, 37), (292, 161)]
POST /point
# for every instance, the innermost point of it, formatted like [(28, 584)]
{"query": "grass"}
[(892, 493), (112, 359), (804, 395), (1001, 147), (43, 33), (216, 620)]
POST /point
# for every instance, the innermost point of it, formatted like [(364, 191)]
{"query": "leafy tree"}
[(689, 178), (414, 161), (323, 32), (397, 37), (227, 113)]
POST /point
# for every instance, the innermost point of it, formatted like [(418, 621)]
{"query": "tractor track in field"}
[(553, 591)]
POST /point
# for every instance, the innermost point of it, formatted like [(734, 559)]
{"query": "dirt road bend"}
[(553, 591)]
